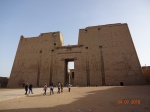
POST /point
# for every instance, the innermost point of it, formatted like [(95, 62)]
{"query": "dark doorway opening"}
[(121, 83), (69, 71)]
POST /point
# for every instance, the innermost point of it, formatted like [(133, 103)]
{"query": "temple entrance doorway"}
[(69, 71)]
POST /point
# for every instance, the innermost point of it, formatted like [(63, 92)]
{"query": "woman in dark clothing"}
[(30, 88), (26, 89)]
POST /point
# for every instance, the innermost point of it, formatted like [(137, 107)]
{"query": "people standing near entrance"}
[(45, 88), (69, 87), (61, 87), (58, 85), (26, 89), (51, 89), (30, 88)]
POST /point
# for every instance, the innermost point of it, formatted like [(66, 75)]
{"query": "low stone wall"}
[(3, 82)]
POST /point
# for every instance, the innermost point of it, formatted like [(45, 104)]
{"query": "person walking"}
[(51, 89), (69, 87), (61, 87), (45, 88), (58, 87), (30, 88), (26, 89)]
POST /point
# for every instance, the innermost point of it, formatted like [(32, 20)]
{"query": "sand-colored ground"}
[(85, 99)]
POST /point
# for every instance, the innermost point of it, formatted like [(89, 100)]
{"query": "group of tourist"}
[(59, 85), (60, 88)]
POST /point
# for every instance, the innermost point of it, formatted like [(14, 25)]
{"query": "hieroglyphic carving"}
[(46, 69), (95, 65), (55, 66), (124, 65), (20, 68)]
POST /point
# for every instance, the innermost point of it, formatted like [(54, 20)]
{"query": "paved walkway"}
[(6, 94)]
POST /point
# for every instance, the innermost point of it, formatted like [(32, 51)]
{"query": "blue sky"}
[(32, 17)]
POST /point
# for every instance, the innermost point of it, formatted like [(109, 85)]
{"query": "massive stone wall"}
[(104, 55)]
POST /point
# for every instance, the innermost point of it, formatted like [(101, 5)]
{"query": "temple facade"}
[(104, 55)]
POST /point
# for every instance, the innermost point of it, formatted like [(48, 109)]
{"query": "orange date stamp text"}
[(127, 102)]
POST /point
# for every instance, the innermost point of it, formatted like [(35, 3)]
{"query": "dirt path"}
[(85, 99)]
